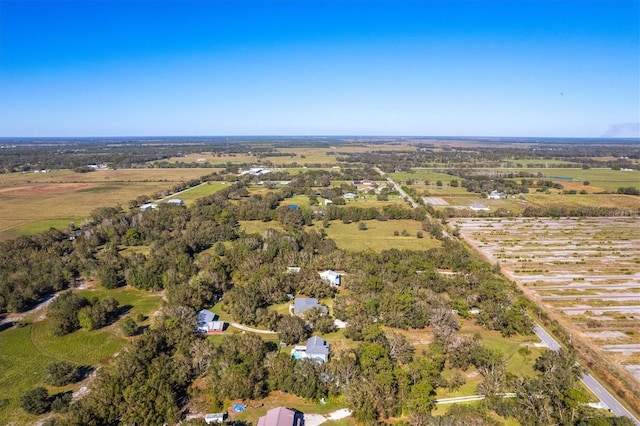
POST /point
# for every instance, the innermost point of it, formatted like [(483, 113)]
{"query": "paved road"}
[(546, 338), (607, 400), (398, 188)]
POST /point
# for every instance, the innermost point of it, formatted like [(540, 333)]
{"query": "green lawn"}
[(603, 179), (258, 226), (25, 352), (518, 351), (45, 225), (191, 195), (379, 235), (421, 175)]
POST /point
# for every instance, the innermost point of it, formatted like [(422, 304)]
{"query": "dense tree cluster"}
[(68, 312), (32, 267)]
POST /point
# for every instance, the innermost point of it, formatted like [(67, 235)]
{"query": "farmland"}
[(33, 202), (586, 271)]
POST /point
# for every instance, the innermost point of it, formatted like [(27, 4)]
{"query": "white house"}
[(148, 206), (255, 171), (176, 201), (331, 277), (496, 195), (349, 196)]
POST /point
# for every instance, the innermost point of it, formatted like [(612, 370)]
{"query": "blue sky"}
[(448, 68)]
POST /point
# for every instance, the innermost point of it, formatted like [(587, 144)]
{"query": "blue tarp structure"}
[(239, 407)]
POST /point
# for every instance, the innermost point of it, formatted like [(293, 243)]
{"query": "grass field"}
[(571, 178), (421, 175), (191, 195), (25, 352), (600, 179), (31, 202), (379, 235)]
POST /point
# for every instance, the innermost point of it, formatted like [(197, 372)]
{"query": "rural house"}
[(207, 322), (176, 201), (331, 277), (282, 416), (496, 195), (148, 206), (303, 304), (316, 349)]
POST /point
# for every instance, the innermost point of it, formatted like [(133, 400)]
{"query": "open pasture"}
[(190, 195), (32, 202), (600, 179), (379, 235), (585, 270)]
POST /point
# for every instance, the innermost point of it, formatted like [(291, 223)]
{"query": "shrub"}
[(61, 402), (61, 373), (36, 401), (129, 327)]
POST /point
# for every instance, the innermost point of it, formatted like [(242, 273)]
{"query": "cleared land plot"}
[(587, 270), (517, 206), (599, 179), (31, 202), (379, 235)]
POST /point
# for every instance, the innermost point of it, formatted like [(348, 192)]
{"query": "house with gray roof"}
[(479, 207), (282, 416), (207, 322), (303, 304), (316, 349)]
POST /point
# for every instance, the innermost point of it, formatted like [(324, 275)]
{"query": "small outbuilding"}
[(215, 418)]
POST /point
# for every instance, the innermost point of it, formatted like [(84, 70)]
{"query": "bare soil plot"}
[(585, 270)]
